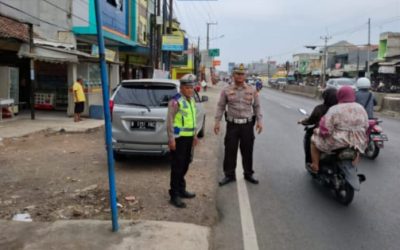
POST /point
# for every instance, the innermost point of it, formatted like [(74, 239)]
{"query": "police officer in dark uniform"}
[(181, 129), (243, 112)]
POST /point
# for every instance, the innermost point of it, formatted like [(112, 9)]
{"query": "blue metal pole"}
[(107, 117)]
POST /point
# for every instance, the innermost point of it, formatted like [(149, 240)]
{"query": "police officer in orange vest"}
[(181, 128)]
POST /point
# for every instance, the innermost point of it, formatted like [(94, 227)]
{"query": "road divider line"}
[(285, 106), (246, 216)]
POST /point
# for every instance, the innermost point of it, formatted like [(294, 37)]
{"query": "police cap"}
[(188, 80), (239, 69)]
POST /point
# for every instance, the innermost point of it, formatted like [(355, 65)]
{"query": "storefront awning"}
[(387, 69), (51, 54), (336, 72), (316, 72)]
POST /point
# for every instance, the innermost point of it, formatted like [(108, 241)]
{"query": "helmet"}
[(363, 83)]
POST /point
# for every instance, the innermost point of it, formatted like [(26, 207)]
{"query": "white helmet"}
[(363, 83)]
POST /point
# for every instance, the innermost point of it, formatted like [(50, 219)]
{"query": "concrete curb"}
[(388, 105), (91, 234), (24, 127)]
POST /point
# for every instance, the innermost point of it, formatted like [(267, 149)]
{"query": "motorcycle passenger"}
[(344, 125), (364, 97), (329, 98)]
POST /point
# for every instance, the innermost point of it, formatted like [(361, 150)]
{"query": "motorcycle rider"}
[(344, 125), (329, 99), (258, 85), (365, 97)]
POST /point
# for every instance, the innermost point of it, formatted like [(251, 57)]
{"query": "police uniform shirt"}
[(243, 102)]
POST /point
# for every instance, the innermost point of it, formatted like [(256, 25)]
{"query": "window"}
[(151, 95), (119, 4)]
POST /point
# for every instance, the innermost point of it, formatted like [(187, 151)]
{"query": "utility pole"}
[(153, 36), (198, 59), (325, 62), (268, 74), (169, 66), (107, 115), (208, 35), (158, 36), (32, 74), (208, 44), (369, 48)]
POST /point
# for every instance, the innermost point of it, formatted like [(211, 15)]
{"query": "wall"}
[(51, 21)]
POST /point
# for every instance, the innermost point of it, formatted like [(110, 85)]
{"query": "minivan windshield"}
[(146, 94), (345, 82)]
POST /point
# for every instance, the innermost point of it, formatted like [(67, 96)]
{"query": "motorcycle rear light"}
[(377, 128)]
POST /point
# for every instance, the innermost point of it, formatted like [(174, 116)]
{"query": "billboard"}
[(172, 43)]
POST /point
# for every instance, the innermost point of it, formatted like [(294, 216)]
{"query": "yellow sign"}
[(110, 54), (172, 43)]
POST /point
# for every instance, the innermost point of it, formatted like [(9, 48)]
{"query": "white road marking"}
[(285, 106), (248, 230)]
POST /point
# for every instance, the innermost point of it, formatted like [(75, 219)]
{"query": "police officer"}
[(243, 112), (181, 128)]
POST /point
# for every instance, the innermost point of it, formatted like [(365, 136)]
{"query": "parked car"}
[(339, 82), (139, 116), (272, 82), (281, 81)]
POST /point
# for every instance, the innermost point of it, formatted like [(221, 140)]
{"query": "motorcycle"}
[(375, 139), (337, 171)]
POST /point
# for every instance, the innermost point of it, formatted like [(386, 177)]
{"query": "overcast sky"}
[(255, 29)]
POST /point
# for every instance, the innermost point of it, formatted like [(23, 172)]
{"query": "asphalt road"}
[(290, 211)]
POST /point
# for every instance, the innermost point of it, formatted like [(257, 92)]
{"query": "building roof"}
[(10, 28)]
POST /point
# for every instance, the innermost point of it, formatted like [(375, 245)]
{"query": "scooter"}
[(376, 139), (337, 171)]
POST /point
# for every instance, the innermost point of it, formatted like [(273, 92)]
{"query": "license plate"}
[(379, 137), (143, 125)]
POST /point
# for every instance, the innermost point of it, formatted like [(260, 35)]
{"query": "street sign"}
[(213, 52), (216, 63)]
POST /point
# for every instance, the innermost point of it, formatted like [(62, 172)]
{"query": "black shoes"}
[(251, 179), (177, 202), (226, 180), (187, 195), (176, 199)]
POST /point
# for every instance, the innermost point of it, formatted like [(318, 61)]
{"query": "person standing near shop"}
[(79, 99), (244, 111), (181, 129)]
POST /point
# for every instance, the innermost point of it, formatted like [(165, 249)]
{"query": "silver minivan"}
[(139, 116)]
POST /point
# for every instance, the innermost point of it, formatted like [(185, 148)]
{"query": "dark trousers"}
[(307, 144), (239, 135), (181, 158)]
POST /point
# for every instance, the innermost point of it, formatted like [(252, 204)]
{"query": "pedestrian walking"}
[(79, 99), (244, 111), (204, 85), (181, 128)]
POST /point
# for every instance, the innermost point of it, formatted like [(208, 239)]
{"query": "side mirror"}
[(204, 98), (303, 111)]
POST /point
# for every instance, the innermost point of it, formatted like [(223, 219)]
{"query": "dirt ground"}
[(55, 176)]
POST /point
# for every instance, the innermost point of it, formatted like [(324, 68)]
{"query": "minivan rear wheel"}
[(118, 156)]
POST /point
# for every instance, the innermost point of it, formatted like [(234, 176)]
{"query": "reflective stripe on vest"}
[(185, 119)]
